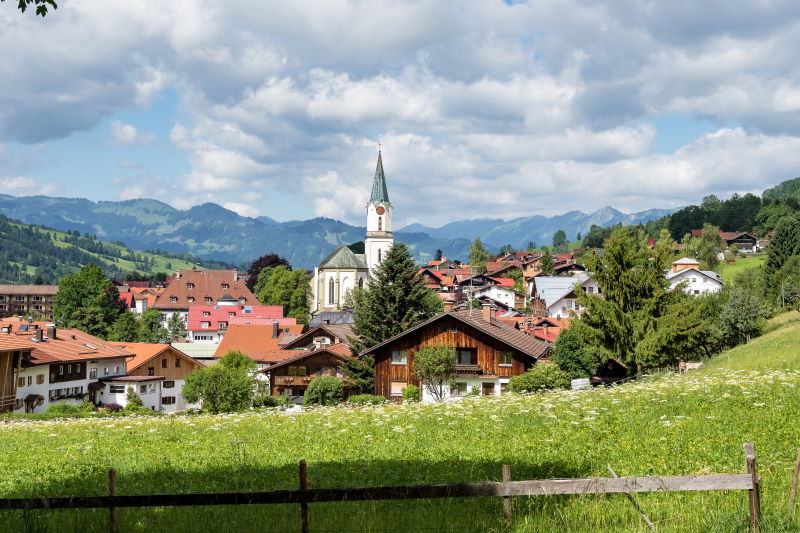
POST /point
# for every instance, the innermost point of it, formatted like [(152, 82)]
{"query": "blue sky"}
[(484, 108)]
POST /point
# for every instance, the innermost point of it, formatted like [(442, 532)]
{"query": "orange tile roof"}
[(205, 284), (10, 343), (68, 345), (255, 340), (143, 352)]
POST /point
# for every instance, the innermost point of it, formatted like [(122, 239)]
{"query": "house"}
[(291, 376), (12, 353), (262, 343), (27, 300), (743, 240), (321, 336), (64, 365), (555, 296), (162, 361), (342, 270), (148, 388), (208, 323), (686, 272), (330, 317), (501, 291), (488, 353), (200, 287)]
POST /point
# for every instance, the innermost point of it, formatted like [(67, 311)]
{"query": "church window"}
[(379, 255), (331, 291), (380, 223), (360, 283)]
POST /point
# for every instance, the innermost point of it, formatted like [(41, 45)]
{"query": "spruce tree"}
[(784, 244), (637, 319), (478, 255), (546, 264)]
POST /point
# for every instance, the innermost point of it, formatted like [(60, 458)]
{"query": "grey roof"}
[(708, 273), (333, 317), (686, 260), (227, 298), (343, 257), (553, 288), (379, 191), (502, 332)]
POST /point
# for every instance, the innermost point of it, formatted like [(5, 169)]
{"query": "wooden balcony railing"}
[(469, 370), (300, 381)]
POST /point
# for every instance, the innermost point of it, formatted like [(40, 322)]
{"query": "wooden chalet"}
[(12, 352), (292, 376), (488, 353), (321, 336)]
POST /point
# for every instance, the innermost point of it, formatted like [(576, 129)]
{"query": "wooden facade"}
[(169, 363), (447, 331), (10, 366), (292, 377)]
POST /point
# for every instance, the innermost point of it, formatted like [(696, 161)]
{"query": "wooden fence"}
[(507, 488)]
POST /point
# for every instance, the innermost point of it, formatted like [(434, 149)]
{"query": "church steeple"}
[(379, 192)]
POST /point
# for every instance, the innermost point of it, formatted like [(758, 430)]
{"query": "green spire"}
[(379, 191)]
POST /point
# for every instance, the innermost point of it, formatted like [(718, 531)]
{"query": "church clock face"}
[(380, 210)]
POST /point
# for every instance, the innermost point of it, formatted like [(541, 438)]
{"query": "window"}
[(116, 370), (54, 394), (20, 382), (30, 381), (360, 283), (396, 388), (590, 290), (697, 292), (177, 362), (205, 324), (164, 363), (208, 299), (223, 325), (242, 301), (190, 285), (169, 384), (291, 371), (190, 299), (331, 291), (459, 388), (503, 388), (18, 403), (168, 400), (142, 389), (231, 314), (206, 313), (105, 371), (380, 223), (39, 379), (69, 369), (116, 389), (77, 390), (399, 357), (60, 370), (151, 388), (78, 368), (466, 356), (151, 371), (379, 255), (225, 286), (173, 299)]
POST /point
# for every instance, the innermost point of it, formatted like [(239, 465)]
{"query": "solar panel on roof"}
[(23, 327)]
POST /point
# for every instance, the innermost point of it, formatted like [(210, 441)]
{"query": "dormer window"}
[(242, 301), (173, 299), (190, 299), (231, 314), (208, 299), (225, 286), (190, 285), (206, 313)]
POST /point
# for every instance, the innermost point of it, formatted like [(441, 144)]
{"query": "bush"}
[(543, 376), (111, 407), (138, 410), (65, 409), (264, 400), (367, 399), (86, 407), (573, 354), (411, 393), (324, 390)]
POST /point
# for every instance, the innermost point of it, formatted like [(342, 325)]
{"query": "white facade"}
[(334, 285), (504, 295), (149, 391), (696, 282), (379, 233), (466, 387)]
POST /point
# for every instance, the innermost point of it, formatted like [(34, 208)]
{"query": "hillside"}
[(668, 424), (785, 191), (29, 252)]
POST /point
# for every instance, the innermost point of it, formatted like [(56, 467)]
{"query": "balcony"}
[(469, 370), (293, 381)]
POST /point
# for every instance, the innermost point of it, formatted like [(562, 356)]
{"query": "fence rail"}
[(506, 489)]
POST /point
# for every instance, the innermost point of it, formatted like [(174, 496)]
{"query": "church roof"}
[(379, 191), (343, 257)]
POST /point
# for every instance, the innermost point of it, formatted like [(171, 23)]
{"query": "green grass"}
[(664, 425), (728, 272)]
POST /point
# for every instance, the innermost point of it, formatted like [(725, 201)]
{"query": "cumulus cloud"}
[(22, 186), (484, 108)]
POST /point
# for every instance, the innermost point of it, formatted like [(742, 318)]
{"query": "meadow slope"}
[(666, 424)]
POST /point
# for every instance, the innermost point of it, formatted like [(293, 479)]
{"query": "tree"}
[(578, 236), (546, 264), (478, 255), (637, 319), (125, 328), (743, 315), (531, 246), (357, 247), (435, 367), (361, 371), (324, 390), (42, 6), (506, 249), (150, 328), (288, 288), (87, 299), (438, 255), (227, 386), (265, 261), (176, 327), (132, 398), (770, 215), (559, 239), (574, 355), (785, 284), (394, 300), (784, 244), (709, 245)]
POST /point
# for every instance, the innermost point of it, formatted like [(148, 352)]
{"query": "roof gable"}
[(343, 257)]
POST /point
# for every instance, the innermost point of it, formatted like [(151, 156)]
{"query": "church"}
[(342, 270)]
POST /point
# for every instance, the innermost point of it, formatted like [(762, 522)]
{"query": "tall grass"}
[(668, 424)]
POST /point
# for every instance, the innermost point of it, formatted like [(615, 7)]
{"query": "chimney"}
[(39, 336), (545, 328), (275, 330), (51, 331), (448, 306), (489, 312)]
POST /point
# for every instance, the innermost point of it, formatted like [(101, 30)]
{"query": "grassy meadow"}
[(728, 272), (663, 425)]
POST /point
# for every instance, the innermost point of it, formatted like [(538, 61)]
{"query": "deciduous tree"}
[(288, 288), (228, 386), (435, 367), (87, 299), (265, 261), (478, 255)]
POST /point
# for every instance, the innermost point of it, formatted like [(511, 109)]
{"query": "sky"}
[(483, 108)]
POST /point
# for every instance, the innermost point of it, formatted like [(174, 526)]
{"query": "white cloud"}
[(128, 135), (22, 186)]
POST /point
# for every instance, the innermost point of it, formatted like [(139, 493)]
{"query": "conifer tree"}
[(637, 319), (125, 328), (546, 264), (784, 244), (478, 255)]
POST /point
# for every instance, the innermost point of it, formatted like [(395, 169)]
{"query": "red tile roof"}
[(202, 284), (504, 282), (214, 314), (256, 341)]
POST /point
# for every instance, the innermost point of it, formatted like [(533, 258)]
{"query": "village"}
[(500, 319)]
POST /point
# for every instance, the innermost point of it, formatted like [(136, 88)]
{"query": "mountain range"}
[(213, 232)]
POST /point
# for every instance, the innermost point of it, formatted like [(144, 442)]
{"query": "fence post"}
[(793, 494), (507, 511), (304, 486), (754, 495), (112, 491)]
